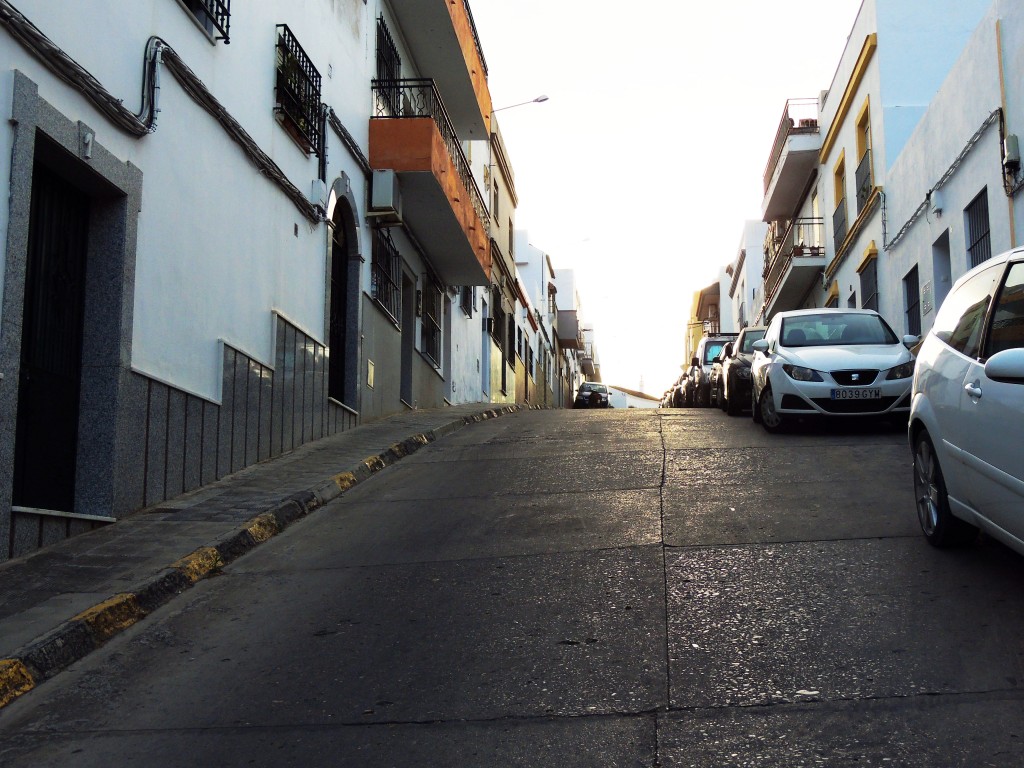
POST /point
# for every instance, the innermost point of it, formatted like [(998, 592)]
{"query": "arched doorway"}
[(342, 288)]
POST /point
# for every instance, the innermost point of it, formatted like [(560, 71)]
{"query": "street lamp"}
[(537, 100), (489, 177)]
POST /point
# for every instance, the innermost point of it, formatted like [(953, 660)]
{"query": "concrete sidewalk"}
[(61, 603)]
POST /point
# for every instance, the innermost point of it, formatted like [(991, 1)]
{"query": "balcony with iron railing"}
[(213, 15), (442, 39), (793, 158), (794, 258), (412, 134)]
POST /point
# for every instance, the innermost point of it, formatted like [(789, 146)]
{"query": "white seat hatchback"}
[(967, 413)]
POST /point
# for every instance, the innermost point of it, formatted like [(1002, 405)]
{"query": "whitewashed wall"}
[(222, 251), (969, 95)]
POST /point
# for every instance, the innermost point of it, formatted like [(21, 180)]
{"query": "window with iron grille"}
[(298, 93), (511, 239), (839, 225), (431, 335), (869, 285), (213, 15), (467, 299), (386, 273), (912, 301), (863, 181), (389, 69), (498, 326), (979, 244)]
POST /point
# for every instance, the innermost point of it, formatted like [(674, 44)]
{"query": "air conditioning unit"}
[(385, 198)]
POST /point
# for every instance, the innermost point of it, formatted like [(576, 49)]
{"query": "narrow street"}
[(575, 588)]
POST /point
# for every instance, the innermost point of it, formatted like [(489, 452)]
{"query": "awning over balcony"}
[(443, 41)]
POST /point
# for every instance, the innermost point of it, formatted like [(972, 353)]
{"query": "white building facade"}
[(251, 256)]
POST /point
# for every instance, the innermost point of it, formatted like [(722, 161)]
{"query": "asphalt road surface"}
[(575, 588)]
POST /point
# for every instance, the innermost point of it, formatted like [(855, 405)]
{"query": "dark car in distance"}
[(730, 376), (591, 395)]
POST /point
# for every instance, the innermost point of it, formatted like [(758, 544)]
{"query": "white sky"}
[(642, 167)]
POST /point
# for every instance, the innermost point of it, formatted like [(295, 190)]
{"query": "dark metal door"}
[(51, 345), (339, 314)]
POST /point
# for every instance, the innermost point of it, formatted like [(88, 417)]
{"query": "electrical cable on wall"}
[(159, 53)]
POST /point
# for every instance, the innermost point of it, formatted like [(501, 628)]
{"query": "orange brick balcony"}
[(441, 203)]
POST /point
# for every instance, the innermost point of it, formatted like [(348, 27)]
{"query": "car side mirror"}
[(910, 341), (760, 345), (1007, 366)]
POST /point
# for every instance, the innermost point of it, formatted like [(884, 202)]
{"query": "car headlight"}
[(799, 373), (904, 371)]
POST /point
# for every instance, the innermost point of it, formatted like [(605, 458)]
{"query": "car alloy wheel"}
[(940, 526), (771, 420)]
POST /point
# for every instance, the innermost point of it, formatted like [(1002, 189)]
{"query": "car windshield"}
[(711, 351), (835, 329), (748, 341), (594, 388)]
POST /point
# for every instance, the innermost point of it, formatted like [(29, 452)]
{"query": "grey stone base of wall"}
[(179, 442)]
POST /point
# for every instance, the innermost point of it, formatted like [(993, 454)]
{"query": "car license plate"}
[(857, 393)]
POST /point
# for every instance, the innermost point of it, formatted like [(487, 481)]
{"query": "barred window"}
[(389, 69), (912, 301), (213, 15), (298, 93), (979, 244), (869, 285), (467, 300), (431, 341), (385, 273)]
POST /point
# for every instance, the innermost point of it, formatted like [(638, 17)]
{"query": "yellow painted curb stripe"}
[(345, 480), (375, 464), (112, 616), (200, 563), (263, 527), (15, 679)]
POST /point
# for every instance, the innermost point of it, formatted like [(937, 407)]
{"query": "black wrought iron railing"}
[(298, 91), (389, 65), (214, 15), (799, 239), (839, 225), (419, 97), (385, 273), (476, 36), (864, 181), (431, 338)]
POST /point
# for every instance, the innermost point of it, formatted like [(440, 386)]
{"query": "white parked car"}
[(830, 362), (967, 416)]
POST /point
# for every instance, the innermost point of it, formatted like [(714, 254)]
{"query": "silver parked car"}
[(967, 414)]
